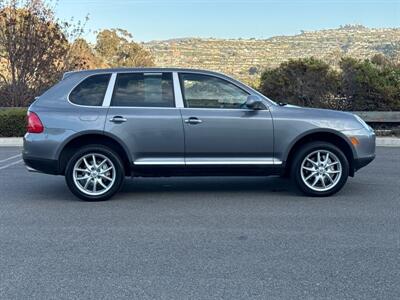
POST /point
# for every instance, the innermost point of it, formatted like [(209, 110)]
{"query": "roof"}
[(112, 70)]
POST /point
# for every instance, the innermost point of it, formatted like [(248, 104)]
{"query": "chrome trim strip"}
[(226, 163), (152, 73), (207, 161), (177, 90), (110, 90), (199, 108), (159, 161), (229, 161), (227, 109)]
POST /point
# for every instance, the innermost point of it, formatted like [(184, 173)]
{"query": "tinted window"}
[(143, 90), (91, 91), (203, 91)]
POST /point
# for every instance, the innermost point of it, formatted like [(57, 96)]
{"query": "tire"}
[(332, 171), (94, 183)]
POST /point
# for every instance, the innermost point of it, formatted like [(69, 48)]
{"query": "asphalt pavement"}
[(200, 238)]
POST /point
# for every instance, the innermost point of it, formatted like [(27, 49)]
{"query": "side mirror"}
[(254, 102)]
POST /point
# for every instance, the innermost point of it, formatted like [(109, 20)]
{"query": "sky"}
[(166, 19)]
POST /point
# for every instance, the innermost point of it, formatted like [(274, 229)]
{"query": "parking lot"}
[(200, 238)]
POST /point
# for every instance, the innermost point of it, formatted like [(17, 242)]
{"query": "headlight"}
[(362, 122)]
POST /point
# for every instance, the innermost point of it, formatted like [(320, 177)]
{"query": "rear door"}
[(219, 128), (143, 115)]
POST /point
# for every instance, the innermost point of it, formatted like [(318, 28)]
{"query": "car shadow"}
[(52, 188), (270, 184)]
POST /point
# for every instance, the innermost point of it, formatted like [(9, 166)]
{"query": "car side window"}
[(204, 91), (91, 91), (143, 90)]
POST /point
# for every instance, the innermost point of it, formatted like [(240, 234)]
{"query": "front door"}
[(219, 128), (143, 115)]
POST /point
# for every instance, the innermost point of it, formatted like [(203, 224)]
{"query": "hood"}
[(323, 118)]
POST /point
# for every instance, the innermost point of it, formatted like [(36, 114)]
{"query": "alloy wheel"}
[(321, 170), (94, 174)]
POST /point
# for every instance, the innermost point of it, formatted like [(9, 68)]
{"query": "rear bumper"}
[(363, 161), (41, 165)]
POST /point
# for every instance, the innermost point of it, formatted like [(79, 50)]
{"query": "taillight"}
[(34, 125)]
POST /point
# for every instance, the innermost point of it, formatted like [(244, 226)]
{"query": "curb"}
[(380, 142), (388, 142), (11, 142)]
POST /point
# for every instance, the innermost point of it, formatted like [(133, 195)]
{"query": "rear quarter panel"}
[(61, 119)]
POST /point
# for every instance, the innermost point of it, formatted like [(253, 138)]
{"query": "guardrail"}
[(379, 116), (367, 116)]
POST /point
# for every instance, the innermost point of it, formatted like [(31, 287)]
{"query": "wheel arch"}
[(331, 136), (93, 137)]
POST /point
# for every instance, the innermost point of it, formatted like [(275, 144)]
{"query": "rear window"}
[(143, 90), (91, 91)]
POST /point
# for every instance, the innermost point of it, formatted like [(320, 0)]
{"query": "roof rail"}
[(67, 74)]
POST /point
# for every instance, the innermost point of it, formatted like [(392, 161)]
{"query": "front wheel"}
[(94, 173), (320, 169)]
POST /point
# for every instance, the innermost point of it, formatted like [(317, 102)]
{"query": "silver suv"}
[(96, 127)]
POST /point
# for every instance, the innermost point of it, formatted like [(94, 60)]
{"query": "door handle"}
[(118, 119), (193, 120)]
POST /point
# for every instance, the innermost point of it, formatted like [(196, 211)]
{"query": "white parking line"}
[(15, 156), (11, 164)]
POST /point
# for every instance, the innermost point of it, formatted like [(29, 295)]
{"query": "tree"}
[(116, 48), (371, 84), (306, 82), (83, 57), (34, 49)]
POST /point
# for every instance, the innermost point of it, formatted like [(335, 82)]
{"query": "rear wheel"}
[(320, 169), (94, 173)]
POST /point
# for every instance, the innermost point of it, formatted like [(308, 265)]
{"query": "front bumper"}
[(362, 162), (364, 150)]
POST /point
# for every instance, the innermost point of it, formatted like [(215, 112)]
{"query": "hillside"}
[(246, 58)]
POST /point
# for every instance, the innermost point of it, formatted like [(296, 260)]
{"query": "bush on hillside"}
[(13, 122), (370, 85), (305, 82)]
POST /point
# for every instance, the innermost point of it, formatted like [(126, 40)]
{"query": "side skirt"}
[(169, 171)]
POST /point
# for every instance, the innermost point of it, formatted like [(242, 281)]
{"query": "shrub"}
[(306, 82), (370, 85), (13, 122)]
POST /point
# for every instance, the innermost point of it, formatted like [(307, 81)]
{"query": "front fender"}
[(315, 132)]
